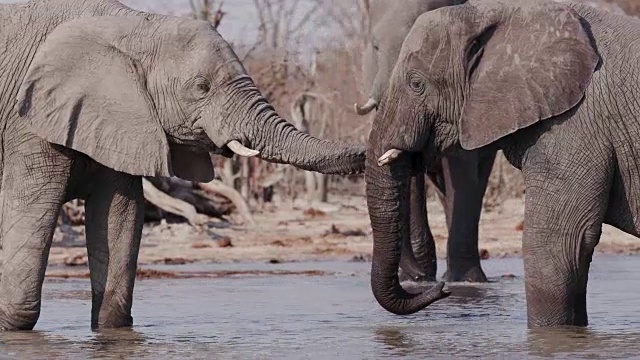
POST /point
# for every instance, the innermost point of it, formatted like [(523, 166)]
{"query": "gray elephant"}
[(555, 86), (461, 179), (95, 96)]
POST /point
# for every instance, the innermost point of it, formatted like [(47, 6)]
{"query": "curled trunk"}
[(388, 203)]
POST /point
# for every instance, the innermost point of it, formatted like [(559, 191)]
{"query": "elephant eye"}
[(204, 87), (198, 88), (374, 45), (416, 82)]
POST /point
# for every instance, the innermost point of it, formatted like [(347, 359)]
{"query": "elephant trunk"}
[(276, 140), (387, 190)]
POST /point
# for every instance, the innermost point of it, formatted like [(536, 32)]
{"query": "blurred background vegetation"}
[(305, 56)]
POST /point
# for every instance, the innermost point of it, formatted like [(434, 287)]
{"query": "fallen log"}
[(195, 202), (170, 204), (218, 187)]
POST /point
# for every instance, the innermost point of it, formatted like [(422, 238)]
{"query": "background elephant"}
[(95, 96), (553, 85), (461, 179)]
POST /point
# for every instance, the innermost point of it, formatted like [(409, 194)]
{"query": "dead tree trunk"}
[(315, 183)]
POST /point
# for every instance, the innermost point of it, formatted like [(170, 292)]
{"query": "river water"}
[(330, 316)]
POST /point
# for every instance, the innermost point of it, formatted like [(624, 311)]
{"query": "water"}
[(331, 316)]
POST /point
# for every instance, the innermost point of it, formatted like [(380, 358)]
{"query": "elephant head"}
[(133, 92), (466, 75), (389, 24)]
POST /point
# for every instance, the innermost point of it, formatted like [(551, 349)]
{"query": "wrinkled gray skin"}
[(556, 87), (461, 179), (95, 96)]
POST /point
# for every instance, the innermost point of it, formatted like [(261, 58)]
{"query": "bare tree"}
[(208, 10)]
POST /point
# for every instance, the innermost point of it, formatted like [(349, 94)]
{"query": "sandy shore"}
[(338, 231)]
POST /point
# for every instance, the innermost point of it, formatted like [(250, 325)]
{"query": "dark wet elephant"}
[(556, 86), (460, 179)]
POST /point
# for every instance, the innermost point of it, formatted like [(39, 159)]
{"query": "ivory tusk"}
[(389, 157), (366, 108), (242, 150)]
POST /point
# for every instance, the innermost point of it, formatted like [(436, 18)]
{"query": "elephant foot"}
[(111, 318), (464, 274), (415, 276), (18, 320), (114, 323)]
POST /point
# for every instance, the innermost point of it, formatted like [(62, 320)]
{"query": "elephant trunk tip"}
[(436, 293), (407, 304), (365, 109)]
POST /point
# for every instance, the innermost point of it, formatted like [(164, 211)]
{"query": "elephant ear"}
[(528, 64), (83, 93), (189, 165)]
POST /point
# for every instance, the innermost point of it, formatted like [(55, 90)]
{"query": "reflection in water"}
[(31, 343), (583, 341), (331, 317), (394, 339), (467, 294), (112, 342), (120, 343)]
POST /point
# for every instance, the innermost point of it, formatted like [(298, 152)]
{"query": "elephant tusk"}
[(389, 157), (366, 108), (242, 150)]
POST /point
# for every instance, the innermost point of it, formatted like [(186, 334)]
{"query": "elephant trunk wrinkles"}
[(279, 141), (388, 202)]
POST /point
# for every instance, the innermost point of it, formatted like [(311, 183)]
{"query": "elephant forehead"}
[(428, 40), (195, 47)]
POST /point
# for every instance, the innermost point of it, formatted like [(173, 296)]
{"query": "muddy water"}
[(330, 316)]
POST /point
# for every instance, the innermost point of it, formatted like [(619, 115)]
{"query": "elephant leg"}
[(563, 223), (418, 257), (114, 219), (34, 186), (437, 178), (421, 245), (466, 175)]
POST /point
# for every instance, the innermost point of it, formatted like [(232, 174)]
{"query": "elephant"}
[(555, 86), (461, 179), (96, 96)]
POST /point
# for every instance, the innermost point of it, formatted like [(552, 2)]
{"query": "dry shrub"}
[(631, 7), (505, 182), (326, 73)]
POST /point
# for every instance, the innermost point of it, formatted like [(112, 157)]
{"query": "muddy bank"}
[(337, 231)]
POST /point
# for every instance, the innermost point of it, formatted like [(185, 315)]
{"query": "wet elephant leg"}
[(422, 243), (33, 188), (114, 218), (418, 259), (466, 175)]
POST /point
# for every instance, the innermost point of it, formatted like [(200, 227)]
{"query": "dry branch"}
[(218, 187), (170, 204)]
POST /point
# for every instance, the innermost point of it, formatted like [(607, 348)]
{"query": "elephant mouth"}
[(418, 162), (223, 151), (232, 148)]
